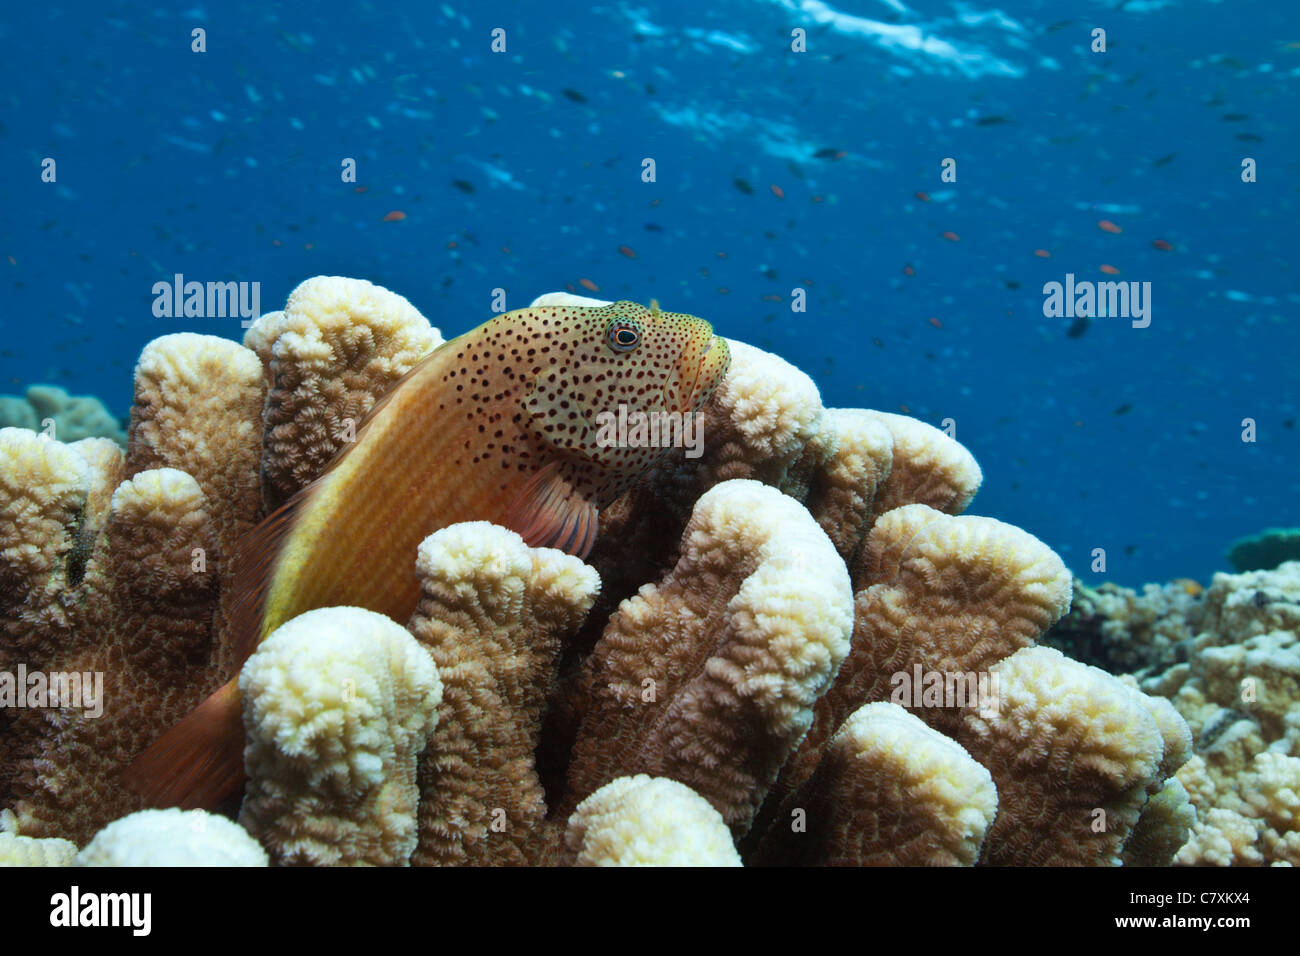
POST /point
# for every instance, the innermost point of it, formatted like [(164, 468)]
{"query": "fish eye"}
[(623, 336)]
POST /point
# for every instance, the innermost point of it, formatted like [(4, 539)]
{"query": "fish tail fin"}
[(199, 762)]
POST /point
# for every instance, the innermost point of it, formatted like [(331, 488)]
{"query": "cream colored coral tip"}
[(333, 656), (649, 821), (172, 838), (566, 298), (18, 850), (187, 356), (936, 767), (29, 460)]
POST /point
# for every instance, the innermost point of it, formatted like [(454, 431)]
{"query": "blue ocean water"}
[(775, 170)]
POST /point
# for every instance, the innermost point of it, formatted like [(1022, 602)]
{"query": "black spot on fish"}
[(463, 185), (1123, 409), (573, 95), (743, 186), (1078, 327)]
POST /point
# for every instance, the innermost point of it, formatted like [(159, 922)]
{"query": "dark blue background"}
[(225, 165)]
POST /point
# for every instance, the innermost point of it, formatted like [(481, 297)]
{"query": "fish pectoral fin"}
[(549, 513)]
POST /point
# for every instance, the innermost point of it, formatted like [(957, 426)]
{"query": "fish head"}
[(622, 363)]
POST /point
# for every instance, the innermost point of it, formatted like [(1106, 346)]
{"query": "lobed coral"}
[(1228, 660), (338, 704), (728, 660), (50, 410)]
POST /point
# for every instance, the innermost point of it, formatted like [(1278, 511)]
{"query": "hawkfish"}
[(500, 424)]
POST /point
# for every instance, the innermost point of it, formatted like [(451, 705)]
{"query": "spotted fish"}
[(501, 425)]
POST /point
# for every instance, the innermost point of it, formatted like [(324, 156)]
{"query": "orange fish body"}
[(502, 424)]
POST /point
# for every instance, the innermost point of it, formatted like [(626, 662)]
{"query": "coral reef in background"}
[(1264, 551), (1228, 659), (721, 679), (50, 410), (1122, 631)]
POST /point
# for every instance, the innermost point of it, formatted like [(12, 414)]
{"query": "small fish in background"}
[(395, 216), (653, 227), (1249, 138), (743, 186), (627, 251), (1109, 269), (1105, 225), (829, 152), (951, 236), (992, 121), (1163, 244), (1078, 327), (422, 461), (573, 95), (1165, 160), (1123, 409), (1042, 253), (464, 185)]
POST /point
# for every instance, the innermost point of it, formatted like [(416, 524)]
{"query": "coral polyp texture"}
[(792, 648)]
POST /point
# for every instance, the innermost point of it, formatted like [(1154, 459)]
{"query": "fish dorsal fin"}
[(549, 513)]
